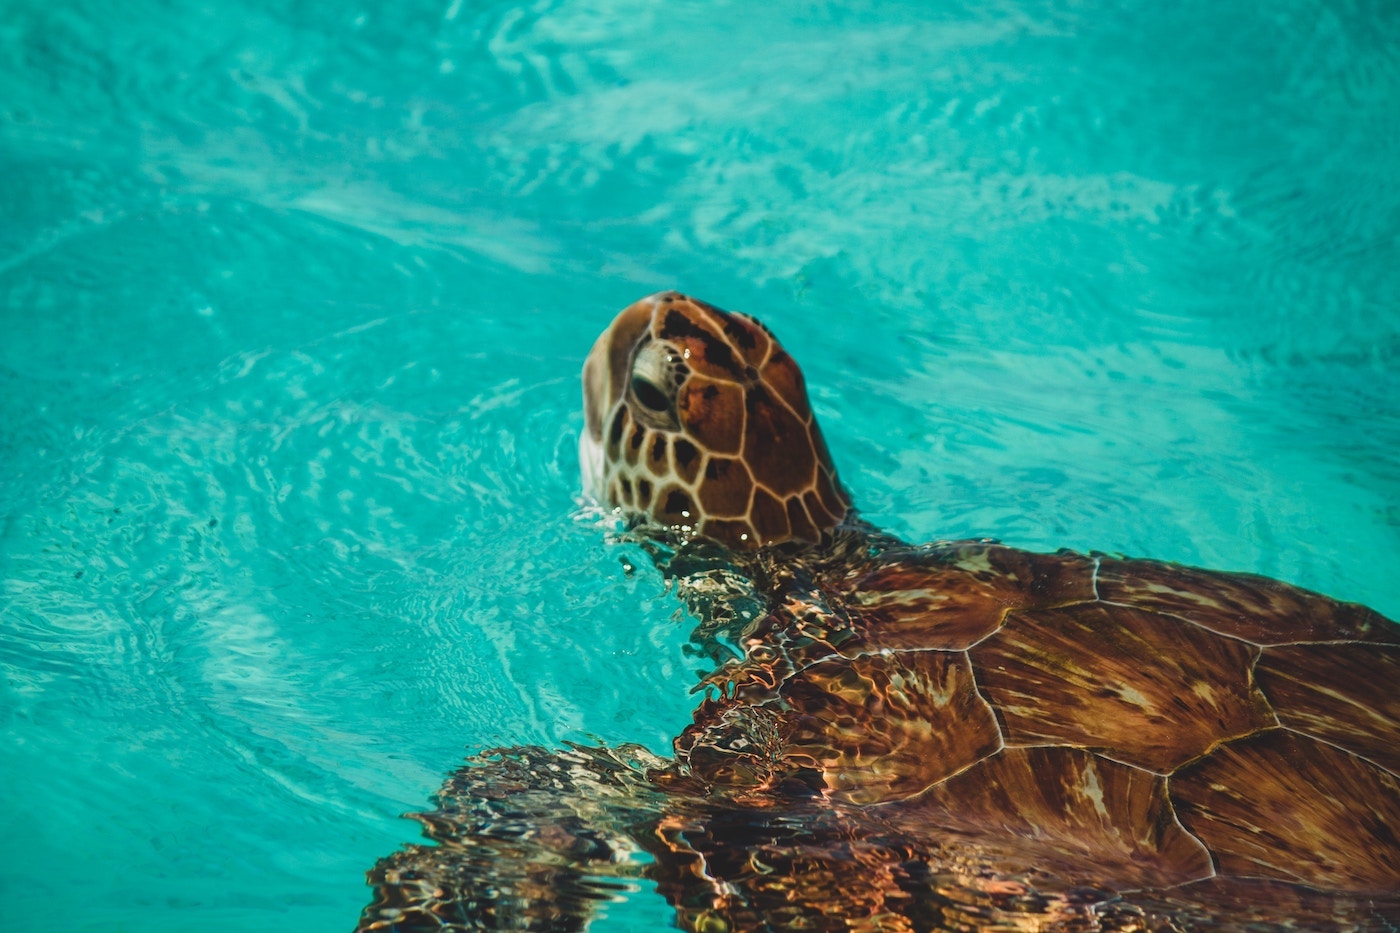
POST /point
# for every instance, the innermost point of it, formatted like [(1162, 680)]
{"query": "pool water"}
[(294, 295)]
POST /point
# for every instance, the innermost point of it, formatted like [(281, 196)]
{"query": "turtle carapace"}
[(958, 735)]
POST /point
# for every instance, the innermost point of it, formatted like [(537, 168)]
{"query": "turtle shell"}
[(1127, 724)]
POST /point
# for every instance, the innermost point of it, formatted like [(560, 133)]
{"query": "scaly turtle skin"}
[(954, 736)]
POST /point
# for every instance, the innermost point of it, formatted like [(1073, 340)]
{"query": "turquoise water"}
[(293, 297)]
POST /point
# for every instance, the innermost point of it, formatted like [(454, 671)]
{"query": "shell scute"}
[(883, 727), (1343, 694), (1240, 605), (732, 744), (1285, 806), (1143, 688), (1069, 811), (952, 596)]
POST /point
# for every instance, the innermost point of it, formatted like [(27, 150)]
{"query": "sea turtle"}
[(959, 735)]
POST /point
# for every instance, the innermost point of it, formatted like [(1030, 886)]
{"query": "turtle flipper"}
[(533, 840), (817, 866), (526, 839), (530, 839)]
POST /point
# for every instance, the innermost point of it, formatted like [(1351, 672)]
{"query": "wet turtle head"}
[(697, 419)]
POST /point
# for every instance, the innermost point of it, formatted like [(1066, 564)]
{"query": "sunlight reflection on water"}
[(294, 300)]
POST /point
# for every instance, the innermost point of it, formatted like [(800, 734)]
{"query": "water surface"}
[(293, 297)]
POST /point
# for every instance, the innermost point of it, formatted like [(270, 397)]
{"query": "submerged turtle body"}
[(1125, 724), (915, 738)]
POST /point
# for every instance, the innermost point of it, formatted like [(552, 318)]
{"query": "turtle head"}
[(697, 419)]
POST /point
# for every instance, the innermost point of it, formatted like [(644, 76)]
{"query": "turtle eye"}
[(651, 386), (649, 395)]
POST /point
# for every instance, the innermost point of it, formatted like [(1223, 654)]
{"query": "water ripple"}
[(293, 298)]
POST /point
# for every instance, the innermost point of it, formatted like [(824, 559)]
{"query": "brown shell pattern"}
[(1118, 722)]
